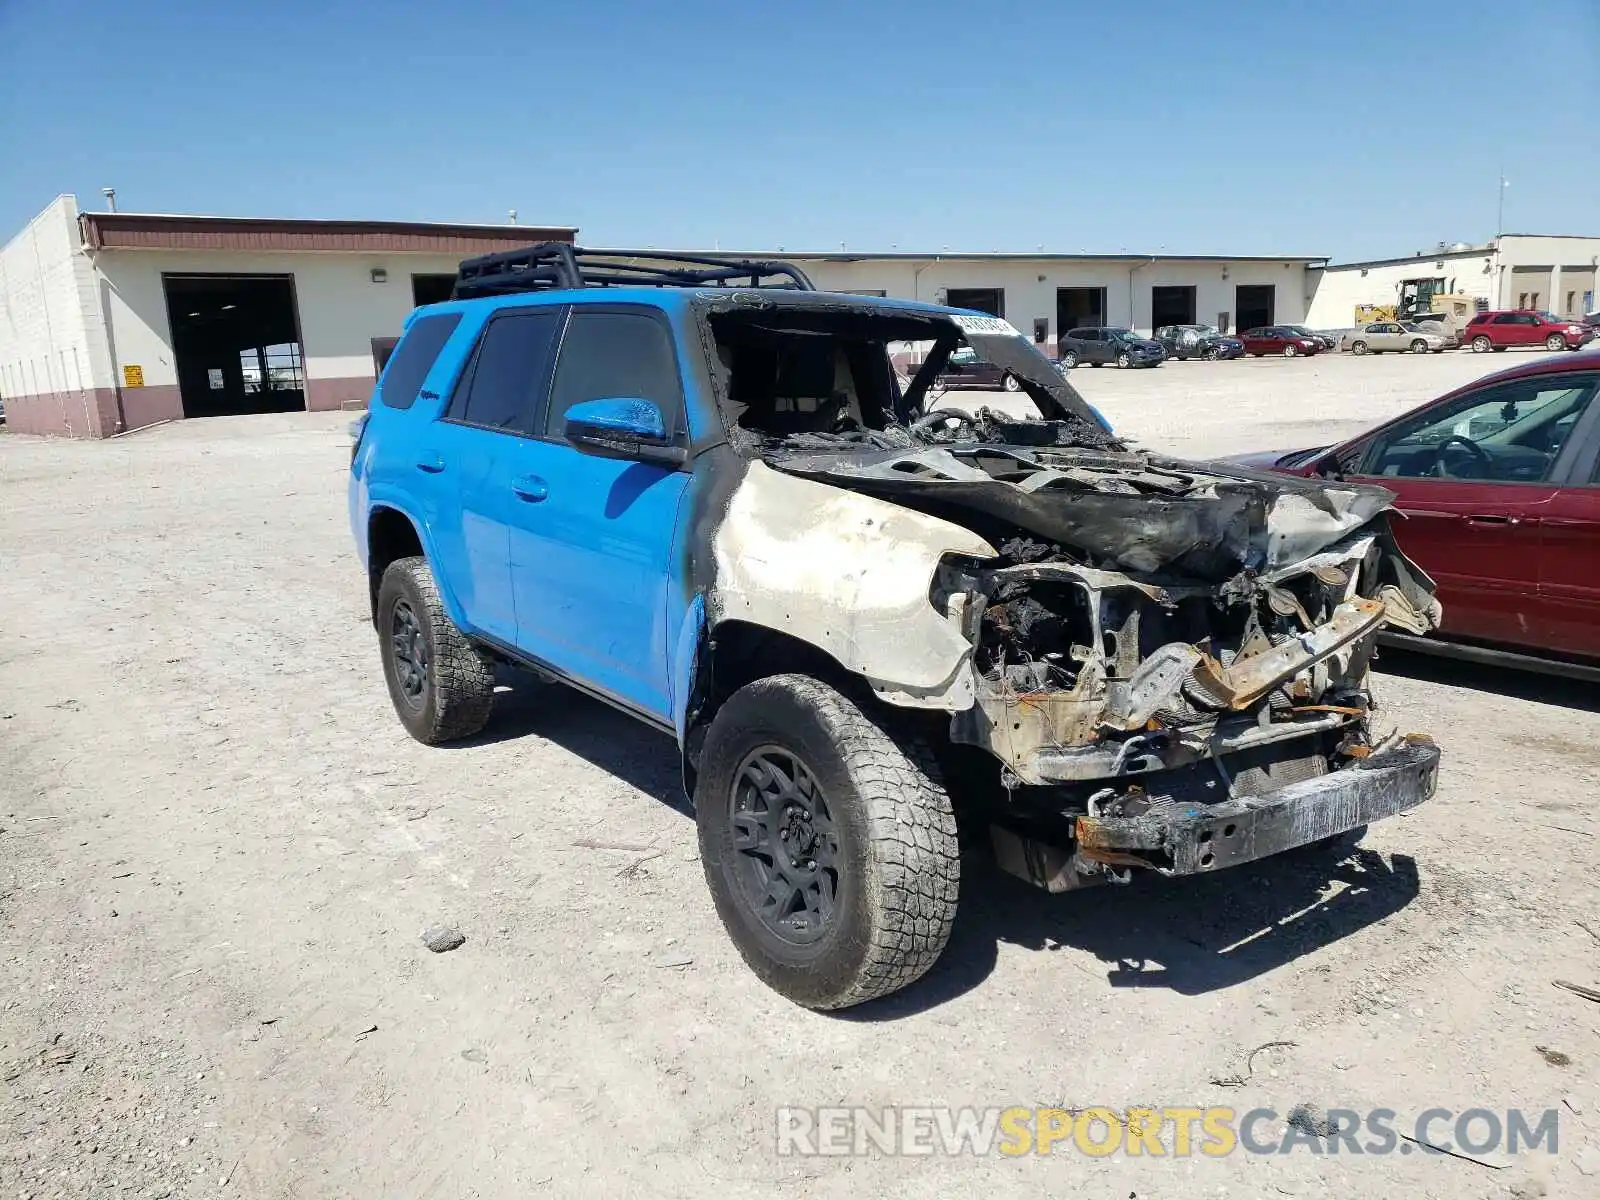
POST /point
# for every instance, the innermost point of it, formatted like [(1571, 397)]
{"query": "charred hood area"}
[(1106, 507)]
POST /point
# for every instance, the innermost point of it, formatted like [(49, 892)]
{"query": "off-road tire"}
[(459, 690), (900, 866)]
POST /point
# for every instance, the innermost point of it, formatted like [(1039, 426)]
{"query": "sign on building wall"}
[(132, 375)]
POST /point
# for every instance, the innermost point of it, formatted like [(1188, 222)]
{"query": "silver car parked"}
[(1395, 335)]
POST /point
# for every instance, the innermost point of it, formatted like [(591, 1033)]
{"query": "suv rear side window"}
[(409, 365), (608, 354), (506, 382)]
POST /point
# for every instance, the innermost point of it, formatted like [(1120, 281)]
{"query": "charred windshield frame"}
[(821, 314)]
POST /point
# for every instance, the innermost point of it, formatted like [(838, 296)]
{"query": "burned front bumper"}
[(1192, 838)]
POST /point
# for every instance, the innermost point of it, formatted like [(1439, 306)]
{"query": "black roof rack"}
[(547, 266)]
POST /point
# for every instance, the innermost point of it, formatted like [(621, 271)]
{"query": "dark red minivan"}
[(1499, 484)]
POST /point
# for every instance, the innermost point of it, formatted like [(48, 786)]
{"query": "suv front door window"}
[(609, 355)]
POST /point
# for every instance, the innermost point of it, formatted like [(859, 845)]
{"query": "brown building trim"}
[(152, 231), (327, 395), (149, 405), (91, 413)]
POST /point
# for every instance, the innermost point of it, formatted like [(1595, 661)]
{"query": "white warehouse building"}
[(1517, 270), (113, 321)]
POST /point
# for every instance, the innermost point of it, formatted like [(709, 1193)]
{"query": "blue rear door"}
[(465, 454), (591, 538)]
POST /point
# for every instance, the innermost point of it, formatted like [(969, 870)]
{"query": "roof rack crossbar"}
[(548, 266)]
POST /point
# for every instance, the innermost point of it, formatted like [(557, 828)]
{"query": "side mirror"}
[(622, 427)]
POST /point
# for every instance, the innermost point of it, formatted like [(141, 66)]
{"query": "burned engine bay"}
[(1151, 632)]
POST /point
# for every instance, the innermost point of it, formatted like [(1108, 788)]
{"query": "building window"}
[(431, 289), (987, 300), (272, 368)]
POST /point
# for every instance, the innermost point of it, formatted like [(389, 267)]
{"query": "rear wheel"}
[(828, 842), (442, 687), (1358, 347), (1481, 344), (1419, 346), (1010, 384), (1555, 342)]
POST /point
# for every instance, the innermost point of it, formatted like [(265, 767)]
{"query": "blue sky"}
[(1253, 127)]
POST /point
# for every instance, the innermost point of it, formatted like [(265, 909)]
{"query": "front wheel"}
[(829, 843), (1291, 350), (1481, 344), (1069, 359), (1010, 384), (1358, 348), (1555, 342), (1419, 347), (1124, 360), (442, 687)]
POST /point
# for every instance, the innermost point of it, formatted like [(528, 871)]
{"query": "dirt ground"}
[(218, 849)]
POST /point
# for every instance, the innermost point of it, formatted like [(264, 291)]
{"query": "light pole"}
[(1500, 213)]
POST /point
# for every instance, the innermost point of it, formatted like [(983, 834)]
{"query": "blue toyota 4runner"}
[(697, 490)]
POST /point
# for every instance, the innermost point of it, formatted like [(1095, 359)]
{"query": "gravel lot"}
[(218, 850)]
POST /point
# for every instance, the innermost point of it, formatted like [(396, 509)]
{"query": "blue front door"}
[(592, 538)]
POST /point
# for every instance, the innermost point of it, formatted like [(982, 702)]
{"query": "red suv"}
[(1524, 327)]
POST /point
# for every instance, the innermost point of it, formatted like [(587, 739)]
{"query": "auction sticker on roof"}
[(987, 326)]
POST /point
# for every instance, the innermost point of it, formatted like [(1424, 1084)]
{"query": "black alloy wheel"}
[(410, 650), (788, 862)]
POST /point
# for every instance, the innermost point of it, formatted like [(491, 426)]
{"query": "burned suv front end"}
[(1165, 663), (1170, 660)]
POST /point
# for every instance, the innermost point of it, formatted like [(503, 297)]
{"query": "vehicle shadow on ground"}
[(1191, 935), (1501, 681), (616, 743)]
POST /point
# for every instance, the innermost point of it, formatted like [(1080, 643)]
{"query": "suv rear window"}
[(409, 365), (506, 382)]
